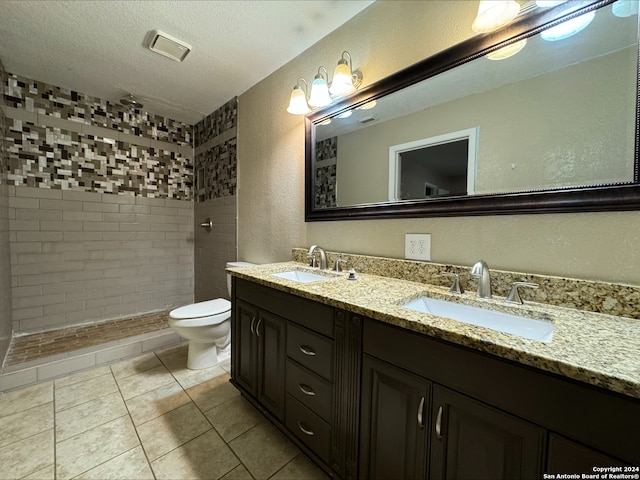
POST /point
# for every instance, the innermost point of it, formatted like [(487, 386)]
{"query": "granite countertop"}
[(598, 349)]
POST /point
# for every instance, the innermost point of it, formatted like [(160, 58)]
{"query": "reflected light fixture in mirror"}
[(493, 14), (569, 28), (625, 8), (319, 96), (298, 101), (508, 51)]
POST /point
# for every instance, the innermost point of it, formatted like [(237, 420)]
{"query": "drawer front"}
[(314, 432), (310, 350), (310, 389)]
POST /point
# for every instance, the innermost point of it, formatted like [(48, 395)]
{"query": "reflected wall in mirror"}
[(558, 116)]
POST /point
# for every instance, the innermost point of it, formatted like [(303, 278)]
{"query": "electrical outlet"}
[(417, 246)]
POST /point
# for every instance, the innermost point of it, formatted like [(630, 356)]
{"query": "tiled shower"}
[(99, 208)]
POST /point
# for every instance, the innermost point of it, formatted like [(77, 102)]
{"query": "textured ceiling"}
[(98, 47)]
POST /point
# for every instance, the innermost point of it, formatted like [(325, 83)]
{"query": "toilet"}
[(207, 326)]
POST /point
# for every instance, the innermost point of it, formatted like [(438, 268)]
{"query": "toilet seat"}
[(220, 307)]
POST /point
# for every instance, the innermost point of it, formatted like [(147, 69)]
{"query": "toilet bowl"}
[(207, 326)]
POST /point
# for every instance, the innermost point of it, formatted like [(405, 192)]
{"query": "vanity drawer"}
[(314, 432), (309, 389), (310, 350)]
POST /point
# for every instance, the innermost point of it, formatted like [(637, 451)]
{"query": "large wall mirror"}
[(552, 128)]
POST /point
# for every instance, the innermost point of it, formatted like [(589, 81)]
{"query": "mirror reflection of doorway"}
[(433, 167)]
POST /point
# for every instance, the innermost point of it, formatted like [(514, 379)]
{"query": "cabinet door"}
[(566, 456), (394, 421), (270, 331), (245, 368), (471, 440)]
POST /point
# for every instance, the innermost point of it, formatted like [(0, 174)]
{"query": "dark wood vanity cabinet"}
[(299, 362)]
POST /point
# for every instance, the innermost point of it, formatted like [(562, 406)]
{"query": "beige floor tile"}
[(263, 450), (89, 449), (135, 365), (145, 382), (162, 434), (26, 423), (156, 402), (174, 357), (27, 456), (131, 465), (300, 468), (206, 457), (25, 398), (88, 415), (238, 473), (234, 417), (78, 393), (81, 376), (190, 378), (213, 392), (47, 473)]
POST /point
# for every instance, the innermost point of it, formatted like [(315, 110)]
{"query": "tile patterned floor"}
[(39, 345), (144, 418)]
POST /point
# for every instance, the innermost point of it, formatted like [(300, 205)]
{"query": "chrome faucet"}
[(323, 256), (481, 271)]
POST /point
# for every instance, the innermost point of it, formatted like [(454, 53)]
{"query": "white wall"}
[(384, 38)]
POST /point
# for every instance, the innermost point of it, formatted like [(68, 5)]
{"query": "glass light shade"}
[(625, 8), (319, 93), (549, 3), (568, 28), (298, 102), (342, 83), (493, 14), (508, 51)]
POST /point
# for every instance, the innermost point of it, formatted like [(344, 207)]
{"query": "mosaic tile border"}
[(592, 296), (40, 97), (217, 171), (223, 119), (325, 173)]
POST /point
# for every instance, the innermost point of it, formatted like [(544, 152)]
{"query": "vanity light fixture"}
[(345, 80), (319, 96), (508, 51), (323, 92), (625, 8), (298, 101), (568, 28), (493, 14)]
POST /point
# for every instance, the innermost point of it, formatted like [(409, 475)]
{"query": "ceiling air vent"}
[(368, 119), (169, 46)]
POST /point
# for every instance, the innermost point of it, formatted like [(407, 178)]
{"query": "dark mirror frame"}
[(617, 197)]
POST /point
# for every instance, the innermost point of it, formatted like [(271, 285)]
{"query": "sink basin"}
[(503, 322), (301, 277)]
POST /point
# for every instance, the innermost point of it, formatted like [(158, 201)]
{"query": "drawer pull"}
[(439, 424), (307, 350), (420, 414), (305, 430), (306, 389)]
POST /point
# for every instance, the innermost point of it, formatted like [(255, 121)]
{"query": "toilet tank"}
[(235, 264)]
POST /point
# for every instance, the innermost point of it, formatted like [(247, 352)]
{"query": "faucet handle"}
[(455, 286), (337, 267), (314, 262), (514, 295)]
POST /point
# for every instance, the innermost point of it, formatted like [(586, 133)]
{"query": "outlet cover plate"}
[(417, 246)]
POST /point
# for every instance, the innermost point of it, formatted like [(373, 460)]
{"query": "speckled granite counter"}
[(594, 348)]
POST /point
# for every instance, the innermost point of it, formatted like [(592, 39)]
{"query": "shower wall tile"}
[(82, 257), (60, 139), (216, 123)]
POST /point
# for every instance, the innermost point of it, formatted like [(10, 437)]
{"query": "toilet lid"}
[(202, 309)]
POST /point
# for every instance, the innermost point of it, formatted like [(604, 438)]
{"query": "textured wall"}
[(5, 265), (216, 172), (382, 39)]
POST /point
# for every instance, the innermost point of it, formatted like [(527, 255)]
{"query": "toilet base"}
[(206, 355)]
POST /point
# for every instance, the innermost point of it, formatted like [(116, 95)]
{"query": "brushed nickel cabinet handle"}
[(258, 326), (252, 326), (306, 389), (420, 414), (305, 430), (307, 350), (439, 424)]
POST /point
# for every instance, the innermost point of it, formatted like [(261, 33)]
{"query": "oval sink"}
[(302, 277), (503, 322)]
